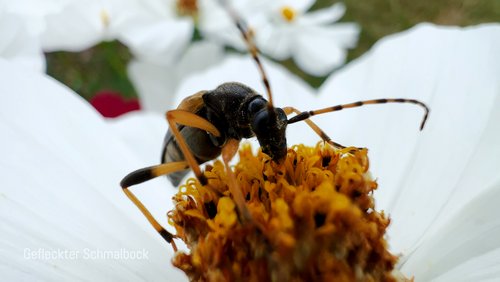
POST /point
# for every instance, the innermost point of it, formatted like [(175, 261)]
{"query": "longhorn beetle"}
[(210, 123)]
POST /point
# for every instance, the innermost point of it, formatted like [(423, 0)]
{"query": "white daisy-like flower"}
[(215, 23), (435, 179), (63, 216), (61, 191), (440, 186), (80, 25), (152, 29), (285, 29), (155, 31), (316, 45), (70, 25)]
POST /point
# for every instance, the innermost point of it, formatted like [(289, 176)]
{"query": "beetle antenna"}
[(305, 115), (252, 48)]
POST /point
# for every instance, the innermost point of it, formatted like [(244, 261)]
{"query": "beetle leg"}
[(190, 119), (186, 118), (174, 117), (228, 152), (145, 174), (148, 173)]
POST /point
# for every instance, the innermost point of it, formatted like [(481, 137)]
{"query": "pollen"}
[(312, 218), (288, 13)]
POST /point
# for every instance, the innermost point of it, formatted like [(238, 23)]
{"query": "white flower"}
[(150, 28), (215, 23), (316, 46), (153, 30), (61, 204), (68, 25), (441, 186), (285, 29)]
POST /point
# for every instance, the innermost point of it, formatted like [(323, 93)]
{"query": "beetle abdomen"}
[(201, 147)]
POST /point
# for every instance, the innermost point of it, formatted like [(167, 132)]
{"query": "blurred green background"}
[(103, 67)]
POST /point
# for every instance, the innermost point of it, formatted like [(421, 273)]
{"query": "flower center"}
[(316, 207), (187, 7), (288, 13)]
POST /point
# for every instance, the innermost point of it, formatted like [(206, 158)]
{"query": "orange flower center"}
[(313, 218)]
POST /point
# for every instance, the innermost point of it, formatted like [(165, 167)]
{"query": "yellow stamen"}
[(288, 13), (104, 18), (313, 218)]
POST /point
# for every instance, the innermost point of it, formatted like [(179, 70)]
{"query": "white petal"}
[(198, 57), (473, 232), (214, 22), (60, 169), (318, 50), (324, 16), (485, 267), (78, 26), (33, 12), (225, 34), (156, 84), (165, 9), (18, 44), (158, 41), (453, 70), (299, 5), (275, 41), (143, 132)]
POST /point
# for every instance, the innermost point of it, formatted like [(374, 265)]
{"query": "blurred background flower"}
[(440, 186), (142, 49), (285, 29)]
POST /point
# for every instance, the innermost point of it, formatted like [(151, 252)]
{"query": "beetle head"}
[(270, 129)]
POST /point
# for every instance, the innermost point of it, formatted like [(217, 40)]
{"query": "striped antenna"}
[(305, 115), (252, 48)]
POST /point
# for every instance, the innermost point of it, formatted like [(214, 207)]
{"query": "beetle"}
[(212, 123)]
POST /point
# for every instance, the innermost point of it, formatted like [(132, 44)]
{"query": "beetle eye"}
[(256, 105), (260, 121)]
